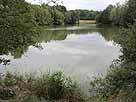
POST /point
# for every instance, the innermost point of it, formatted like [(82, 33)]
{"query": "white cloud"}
[(84, 4)]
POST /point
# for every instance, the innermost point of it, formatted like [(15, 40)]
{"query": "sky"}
[(84, 4)]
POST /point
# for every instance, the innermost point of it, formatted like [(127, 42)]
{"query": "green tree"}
[(17, 27), (104, 17), (119, 14), (58, 17), (122, 15), (131, 13), (42, 15), (72, 17), (87, 14)]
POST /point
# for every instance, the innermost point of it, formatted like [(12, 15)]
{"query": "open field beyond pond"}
[(87, 22)]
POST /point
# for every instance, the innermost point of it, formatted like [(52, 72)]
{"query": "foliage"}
[(118, 14), (72, 17), (48, 87), (46, 15), (104, 17), (119, 83), (131, 11), (41, 15), (20, 25), (87, 14), (15, 18), (127, 39), (122, 15), (58, 17)]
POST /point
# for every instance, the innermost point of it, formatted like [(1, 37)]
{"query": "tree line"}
[(46, 15), (120, 14), (87, 14), (43, 15), (119, 85)]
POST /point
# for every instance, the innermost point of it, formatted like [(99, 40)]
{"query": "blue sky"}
[(85, 4)]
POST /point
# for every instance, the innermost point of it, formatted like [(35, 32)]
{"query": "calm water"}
[(80, 51)]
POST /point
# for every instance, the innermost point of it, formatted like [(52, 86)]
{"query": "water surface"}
[(80, 51)]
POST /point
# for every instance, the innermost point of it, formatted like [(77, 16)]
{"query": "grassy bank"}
[(53, 87), (87, 22)]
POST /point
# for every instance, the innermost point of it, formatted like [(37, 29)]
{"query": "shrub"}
[(49, 87), (55, 87)]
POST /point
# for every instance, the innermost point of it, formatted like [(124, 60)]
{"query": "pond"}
[(80, 51)]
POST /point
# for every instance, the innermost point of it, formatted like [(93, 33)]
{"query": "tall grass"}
[(50, 87)]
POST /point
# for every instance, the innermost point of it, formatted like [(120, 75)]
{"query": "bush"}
[(55, 87), (48, 87), (118, 85)]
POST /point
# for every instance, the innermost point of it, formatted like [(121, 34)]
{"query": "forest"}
[(119, 14), (44, 15)]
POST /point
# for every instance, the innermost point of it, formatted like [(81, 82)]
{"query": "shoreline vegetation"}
[(49, 87), (119, 85)]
